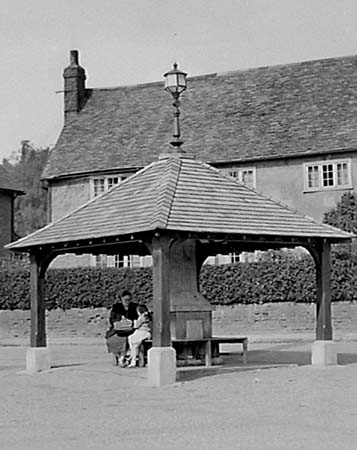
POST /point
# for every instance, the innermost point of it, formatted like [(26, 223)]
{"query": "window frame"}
[(320, 165), (105, 179), (240, 171)]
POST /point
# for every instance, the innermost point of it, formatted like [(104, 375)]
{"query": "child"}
[(142, 326)]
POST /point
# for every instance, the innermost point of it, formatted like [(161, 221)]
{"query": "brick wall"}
[(282, 318)]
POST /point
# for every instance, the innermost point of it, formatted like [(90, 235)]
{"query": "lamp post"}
[(175, 83)]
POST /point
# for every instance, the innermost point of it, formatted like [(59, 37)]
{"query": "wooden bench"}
[(211, 346)]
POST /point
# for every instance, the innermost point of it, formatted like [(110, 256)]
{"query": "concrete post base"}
[(323, 353), (161, 366), (37, 359)]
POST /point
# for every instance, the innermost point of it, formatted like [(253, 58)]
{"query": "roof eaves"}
[(70, 175), (283, 156), (16, 191)]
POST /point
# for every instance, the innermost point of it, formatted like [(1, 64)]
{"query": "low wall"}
[(273, 318), (284, 316)]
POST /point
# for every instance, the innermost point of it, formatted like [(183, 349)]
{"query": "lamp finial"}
[(175, 83)]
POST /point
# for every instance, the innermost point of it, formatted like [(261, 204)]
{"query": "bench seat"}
[(211, 346)]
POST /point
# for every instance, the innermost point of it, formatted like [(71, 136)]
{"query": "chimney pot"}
[(73, 59)]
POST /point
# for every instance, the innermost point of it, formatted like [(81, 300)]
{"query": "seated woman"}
[(121, 319)]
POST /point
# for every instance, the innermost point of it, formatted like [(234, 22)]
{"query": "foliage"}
[(344, 215), (261, 282), (25, 169), (280, 279)]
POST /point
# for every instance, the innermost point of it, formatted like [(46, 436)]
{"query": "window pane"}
[(248, 178), (342, 174), (118, 261), (327, 175), (313, 176), (233, 173), (101, 260), (112, 181), (98, 186)]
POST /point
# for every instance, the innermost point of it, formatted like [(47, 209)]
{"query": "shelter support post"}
[(323, 349), (162, 356), (37, 356)]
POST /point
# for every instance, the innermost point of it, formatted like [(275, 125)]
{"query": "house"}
[(288, 131), (8, 193)]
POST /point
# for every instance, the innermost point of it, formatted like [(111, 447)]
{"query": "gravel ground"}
[(277, 401)]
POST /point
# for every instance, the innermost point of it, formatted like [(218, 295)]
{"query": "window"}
[(117, 261), (98, 185), (328, 175), (103, 184), (245, 176), (112, 181), (101, 260)]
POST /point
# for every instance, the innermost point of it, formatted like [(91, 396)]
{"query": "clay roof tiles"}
[(277, 111), (183, 194)]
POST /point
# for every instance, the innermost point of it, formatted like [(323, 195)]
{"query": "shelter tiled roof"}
[(280, 111), (179, 193)]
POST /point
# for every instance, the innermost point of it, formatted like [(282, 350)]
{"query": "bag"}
[(124, 325)]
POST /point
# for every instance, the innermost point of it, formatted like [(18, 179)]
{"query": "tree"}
[(344, 215), (26, 168)]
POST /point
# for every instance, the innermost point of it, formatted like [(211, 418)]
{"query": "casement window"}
[(103, 184), (117, 261), (335, 174), (245, 176)]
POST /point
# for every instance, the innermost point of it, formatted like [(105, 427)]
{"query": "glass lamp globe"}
[(175, 81)]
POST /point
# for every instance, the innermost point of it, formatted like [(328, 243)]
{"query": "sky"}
[(124, 42)]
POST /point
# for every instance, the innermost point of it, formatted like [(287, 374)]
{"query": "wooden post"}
[(161, 291), (321, 255), (323, 312), (38, 265)]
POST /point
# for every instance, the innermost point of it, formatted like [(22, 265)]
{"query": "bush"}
[(278, 279)]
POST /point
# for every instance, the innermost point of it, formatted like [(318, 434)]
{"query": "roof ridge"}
[(280, 65), (229, 72), (166, 192)]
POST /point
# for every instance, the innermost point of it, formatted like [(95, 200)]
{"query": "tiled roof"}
[(183, 194), (6, 183), (282, 110)]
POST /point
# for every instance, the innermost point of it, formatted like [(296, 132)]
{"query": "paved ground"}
[(278, 401)]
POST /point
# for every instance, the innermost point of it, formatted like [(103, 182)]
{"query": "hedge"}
[(279, 279)]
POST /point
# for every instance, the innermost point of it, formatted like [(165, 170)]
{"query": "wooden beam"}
[(321, 255), (38, 266), (161, 335)]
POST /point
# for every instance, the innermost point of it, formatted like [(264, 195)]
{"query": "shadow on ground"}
[(60, 366), (278, 356)]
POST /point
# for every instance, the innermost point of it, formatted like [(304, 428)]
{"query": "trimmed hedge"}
[(277, 279)]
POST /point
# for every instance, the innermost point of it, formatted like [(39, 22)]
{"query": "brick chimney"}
[(74, 85)]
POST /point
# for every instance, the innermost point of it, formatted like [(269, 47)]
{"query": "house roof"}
[(281, 111), (179, 193), (6, 183)]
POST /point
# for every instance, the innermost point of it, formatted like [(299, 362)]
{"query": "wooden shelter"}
[(180, 211)]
